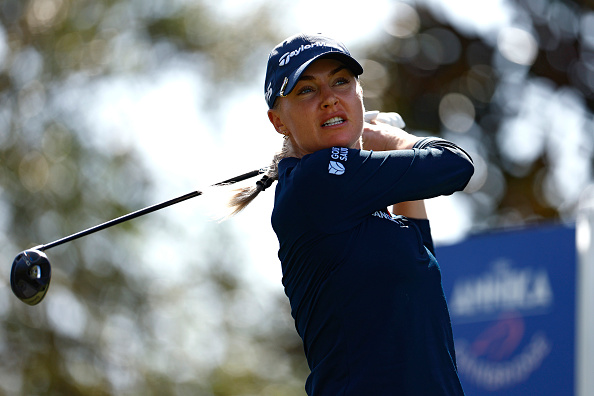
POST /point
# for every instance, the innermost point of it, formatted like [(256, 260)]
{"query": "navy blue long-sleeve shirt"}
[(364, 286)]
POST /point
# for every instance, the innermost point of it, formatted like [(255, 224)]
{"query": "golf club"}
[(31, 271)]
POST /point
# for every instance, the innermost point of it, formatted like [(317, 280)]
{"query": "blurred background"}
[(107, 106)]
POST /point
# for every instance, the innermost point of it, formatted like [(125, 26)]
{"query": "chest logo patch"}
[(335, 168), (337, 154)]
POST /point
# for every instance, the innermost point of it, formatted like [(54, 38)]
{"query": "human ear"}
[(276, 121), (359, 89)]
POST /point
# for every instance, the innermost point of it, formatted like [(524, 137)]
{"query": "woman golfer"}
[(363, 283)]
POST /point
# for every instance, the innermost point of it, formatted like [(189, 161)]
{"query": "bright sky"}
[(159, 115), (354, 21)]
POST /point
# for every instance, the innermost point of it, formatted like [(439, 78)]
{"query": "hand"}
[(390, 118), (378, 136)]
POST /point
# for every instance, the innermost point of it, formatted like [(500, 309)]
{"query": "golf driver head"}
[(30, 276)]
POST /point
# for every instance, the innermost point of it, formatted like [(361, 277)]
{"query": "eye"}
[(304, 90), (342, 81)]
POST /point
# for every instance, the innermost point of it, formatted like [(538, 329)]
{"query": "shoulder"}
[(316, 177), (335, 161)]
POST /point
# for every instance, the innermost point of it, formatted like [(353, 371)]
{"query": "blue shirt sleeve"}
[(355, 183)]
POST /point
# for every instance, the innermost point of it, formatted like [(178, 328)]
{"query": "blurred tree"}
[(521, 99), (107, 326)]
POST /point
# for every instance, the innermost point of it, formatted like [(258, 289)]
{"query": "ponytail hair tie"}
[(264, 182)]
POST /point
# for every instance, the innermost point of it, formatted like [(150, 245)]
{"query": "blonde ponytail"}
[(244, 196)]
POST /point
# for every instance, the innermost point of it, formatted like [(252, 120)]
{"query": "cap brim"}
[(349, 62)]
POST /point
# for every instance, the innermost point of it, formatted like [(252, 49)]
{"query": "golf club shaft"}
[(142, 212)]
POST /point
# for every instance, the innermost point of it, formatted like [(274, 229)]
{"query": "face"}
[(324, 109)]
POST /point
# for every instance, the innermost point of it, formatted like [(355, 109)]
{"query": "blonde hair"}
[(244, 196)]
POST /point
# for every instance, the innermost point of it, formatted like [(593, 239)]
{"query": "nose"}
[(329, 98)]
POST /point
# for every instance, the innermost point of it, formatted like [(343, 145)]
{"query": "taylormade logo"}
[(268, 93), (286, 58)]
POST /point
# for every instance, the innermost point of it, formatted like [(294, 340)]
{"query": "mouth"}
[(334, 121)]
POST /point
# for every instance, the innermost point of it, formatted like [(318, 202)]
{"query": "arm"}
[(411, 209), (373, 180), (382, 137)]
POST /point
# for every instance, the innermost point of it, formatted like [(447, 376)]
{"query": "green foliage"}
[(109, 325), (519, 99), (114, 321)]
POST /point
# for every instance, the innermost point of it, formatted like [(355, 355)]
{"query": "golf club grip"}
[(144, 211)]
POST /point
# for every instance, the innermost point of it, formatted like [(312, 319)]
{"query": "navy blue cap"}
[(290, 58)]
